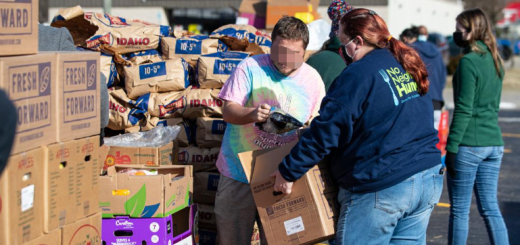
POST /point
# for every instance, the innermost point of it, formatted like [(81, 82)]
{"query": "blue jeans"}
[(476, 169), (396, 215)]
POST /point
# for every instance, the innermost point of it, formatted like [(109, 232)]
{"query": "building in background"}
[(437, 15)]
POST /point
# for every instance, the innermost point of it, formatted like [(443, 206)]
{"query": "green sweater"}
[(476, 91), (328, 63)]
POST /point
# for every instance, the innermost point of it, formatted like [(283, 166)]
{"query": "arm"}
[(463, 104), (237, 114), (334, 125)]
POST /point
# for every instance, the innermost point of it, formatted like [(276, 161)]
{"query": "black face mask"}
[(343, 52), (457, 38)]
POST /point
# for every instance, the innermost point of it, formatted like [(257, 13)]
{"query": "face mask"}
[(344, 54), (423, 38), (457, 38)]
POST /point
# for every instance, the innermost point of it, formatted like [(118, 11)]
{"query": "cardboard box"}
[(29, 82), (185, 226), (87, 177), (53, 238), (179, 228), (24, 204), (151, 156), (59, 185), (85, 231), (307, 215), (78, 94), (205, 186), (277, 9), (19, 27), (255, 11), (146, 196)]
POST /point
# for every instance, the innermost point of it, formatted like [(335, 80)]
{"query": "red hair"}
[(372, 28)]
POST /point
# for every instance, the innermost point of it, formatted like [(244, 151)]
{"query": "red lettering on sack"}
[(133, 41)]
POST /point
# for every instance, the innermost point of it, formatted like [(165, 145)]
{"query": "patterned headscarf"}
[(336, 10)]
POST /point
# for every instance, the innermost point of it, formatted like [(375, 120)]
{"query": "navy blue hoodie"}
[(376, 128), (437, 72)]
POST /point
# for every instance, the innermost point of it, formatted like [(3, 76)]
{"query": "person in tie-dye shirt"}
[(281, 80)]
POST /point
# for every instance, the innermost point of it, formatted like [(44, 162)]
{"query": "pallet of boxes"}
[(159, 79), (49, 189)]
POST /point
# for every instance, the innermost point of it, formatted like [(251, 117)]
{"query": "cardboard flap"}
[(247, 160), (267, 163)]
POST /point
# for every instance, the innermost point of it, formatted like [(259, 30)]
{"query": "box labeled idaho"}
[(307, 215), (87, 177), (23, 204), (78, 94), (18, 27), (59, 185), (122, 194), (84, 231), (30, 83), (151, 156)]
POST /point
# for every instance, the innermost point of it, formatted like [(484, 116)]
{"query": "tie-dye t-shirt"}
[(256, 81)]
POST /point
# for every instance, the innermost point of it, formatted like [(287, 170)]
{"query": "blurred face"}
[(465, 34), (287, 55)]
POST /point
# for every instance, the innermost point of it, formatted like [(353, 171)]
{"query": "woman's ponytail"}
[(411, 62), (369, 26)]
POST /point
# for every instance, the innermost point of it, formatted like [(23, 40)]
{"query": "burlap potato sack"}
[(110, 34), (210, 132), (123, 114), (213, 70), (247, 32), (163, 76), (191, 47)]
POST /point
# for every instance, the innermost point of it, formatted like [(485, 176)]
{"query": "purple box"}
[(179, 228), (255, 20)]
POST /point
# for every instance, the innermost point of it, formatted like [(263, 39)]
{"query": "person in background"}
[(376, 127), (7, 128), (475, 146), (423, 34), (328, 61), (259, 83), (59, 39), (437, 72)]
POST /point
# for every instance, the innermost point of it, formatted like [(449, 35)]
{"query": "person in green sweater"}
[(475, 146), (328, 61)]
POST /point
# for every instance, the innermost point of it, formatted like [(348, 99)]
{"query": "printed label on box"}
[(79, 91), (16, 18), (31, 82), (285, 207), (294, 226), (27, 198)]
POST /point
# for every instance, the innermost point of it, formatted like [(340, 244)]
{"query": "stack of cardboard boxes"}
[(49, 190)]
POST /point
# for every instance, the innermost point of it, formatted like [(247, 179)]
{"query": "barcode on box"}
[(294, 226)]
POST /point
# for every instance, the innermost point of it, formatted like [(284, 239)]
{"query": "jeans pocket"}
[(475, 149), (397, 198), (438, 182)]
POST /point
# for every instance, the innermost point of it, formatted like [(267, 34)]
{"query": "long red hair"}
[(372, 28)]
